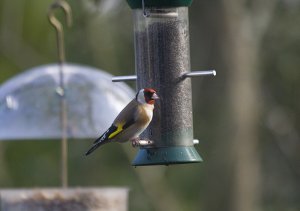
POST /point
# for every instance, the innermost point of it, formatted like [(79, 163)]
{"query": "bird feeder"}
[(75, 199), (162, 62)]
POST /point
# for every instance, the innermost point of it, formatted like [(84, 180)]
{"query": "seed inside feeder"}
[(162, 56)]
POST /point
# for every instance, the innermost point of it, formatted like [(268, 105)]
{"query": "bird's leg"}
[(135, 142)]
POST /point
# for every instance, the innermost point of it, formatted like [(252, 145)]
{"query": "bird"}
[(131, 121)]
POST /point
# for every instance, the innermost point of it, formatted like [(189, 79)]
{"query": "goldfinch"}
[(131, 121)]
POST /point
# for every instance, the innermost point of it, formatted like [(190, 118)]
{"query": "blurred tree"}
[(245, 25)]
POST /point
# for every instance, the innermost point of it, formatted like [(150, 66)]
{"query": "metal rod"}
[(162, 13), (185, 75), (124, 78), (64, 138), (200, 73), (63, 103), (143, 143), (195, 141)]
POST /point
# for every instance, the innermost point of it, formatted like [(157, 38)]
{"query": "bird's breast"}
[(146, 114)]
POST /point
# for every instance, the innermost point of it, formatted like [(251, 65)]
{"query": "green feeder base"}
[(166, 156)]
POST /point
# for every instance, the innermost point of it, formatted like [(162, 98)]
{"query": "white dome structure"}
[(30, 103)]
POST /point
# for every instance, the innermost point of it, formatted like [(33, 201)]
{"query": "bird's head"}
[(147, 95)]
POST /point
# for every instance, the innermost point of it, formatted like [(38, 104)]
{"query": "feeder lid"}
[(30, 103), (137, 4)]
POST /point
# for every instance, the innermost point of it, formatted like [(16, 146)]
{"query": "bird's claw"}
[(135, 142)]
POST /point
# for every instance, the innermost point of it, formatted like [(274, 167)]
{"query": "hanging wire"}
[(144, 9), (61, 4)]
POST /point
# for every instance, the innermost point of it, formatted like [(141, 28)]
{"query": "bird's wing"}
[(106, 134), (126, 118)]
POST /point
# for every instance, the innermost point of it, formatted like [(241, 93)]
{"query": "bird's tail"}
[(102, 139), (96, 144)]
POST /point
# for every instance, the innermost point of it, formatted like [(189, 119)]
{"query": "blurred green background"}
[(247, 117)]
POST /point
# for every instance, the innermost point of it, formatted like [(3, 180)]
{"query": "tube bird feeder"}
[(162, 62)]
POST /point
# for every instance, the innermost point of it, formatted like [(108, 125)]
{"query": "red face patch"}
[(149, 90), (148, 93)]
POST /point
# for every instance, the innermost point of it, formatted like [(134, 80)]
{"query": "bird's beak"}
[(155, 96)]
